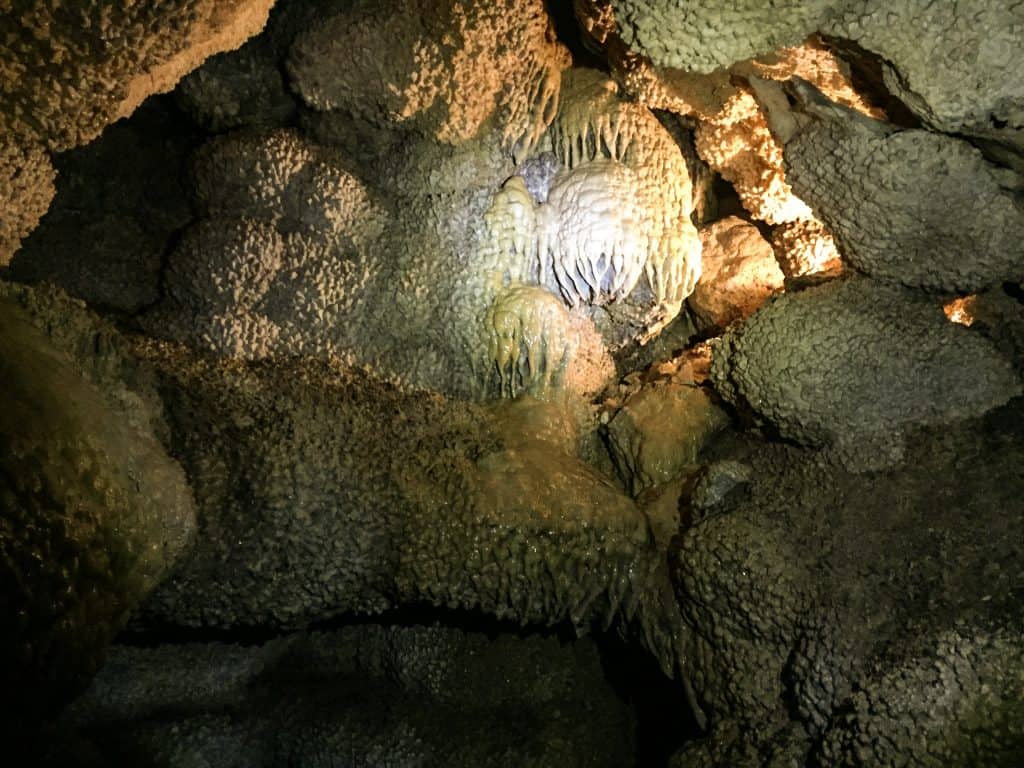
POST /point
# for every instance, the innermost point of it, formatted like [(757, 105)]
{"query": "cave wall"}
[(695, 325)]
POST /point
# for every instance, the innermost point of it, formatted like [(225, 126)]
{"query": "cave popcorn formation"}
[(395, 208)]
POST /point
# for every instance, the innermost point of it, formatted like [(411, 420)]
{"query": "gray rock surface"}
[(888, 196), (879, 615), (364, 695), (703, 36), (953, 64), (852, 364), (323, 492)]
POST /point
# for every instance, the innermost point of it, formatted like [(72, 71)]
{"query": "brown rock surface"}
[(740, 272)]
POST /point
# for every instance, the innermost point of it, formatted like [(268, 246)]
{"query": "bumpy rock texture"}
[(865, 181), (94, 509), (852, 364), (740, 273), (705, 36), (385, 499), (393, 695), (954, 64), (808, 628), (69, 71), (26, 181), (435, 65), (372, 204), (119, 200), (74, 69)]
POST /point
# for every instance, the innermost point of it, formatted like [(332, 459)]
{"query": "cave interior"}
[(346, 312)]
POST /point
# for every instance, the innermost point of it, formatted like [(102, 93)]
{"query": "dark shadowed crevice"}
[(867, 75), (568, 31)]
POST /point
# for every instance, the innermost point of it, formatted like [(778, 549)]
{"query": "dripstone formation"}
[(451, 382)]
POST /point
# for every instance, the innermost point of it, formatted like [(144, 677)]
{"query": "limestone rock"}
[(887, 195), (78, 69), (393, 695), (740, 273), (243, 88), (739, 145), (959, 698), (323, 492), (702, 36), (444, 69), (805, 248), (854, 363), (26, 189), (95, 511), (120, 200), (660, 431), (953, 64), (812, 609), (715, 482)]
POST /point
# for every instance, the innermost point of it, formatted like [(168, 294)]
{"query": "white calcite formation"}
[(593, 233), (650, 191), (617, 211)]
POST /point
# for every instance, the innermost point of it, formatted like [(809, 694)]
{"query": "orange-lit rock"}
[(805, 247), (26, 189), (740, 273), (69, 69), (436, 66), (961, 310)]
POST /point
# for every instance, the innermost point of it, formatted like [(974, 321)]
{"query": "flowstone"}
[(596, 129), (617, 210)]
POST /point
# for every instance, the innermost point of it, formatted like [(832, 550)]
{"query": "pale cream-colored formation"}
[(593, 232), (617, 211), (511, 224), (531, 342), (737, 144), (622, 166)]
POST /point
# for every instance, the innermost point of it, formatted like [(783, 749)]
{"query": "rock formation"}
[(614, 382)]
